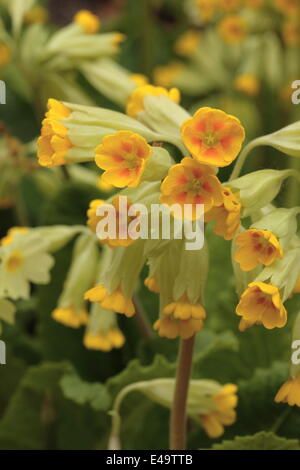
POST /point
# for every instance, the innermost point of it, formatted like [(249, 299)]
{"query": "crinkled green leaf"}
[(94, 394), (260, 441)]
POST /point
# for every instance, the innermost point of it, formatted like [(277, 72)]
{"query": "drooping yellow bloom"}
[(291, 33), (105, 187), (289, 392), (151, 283), (89, 22), (224, 415), (104, 341), (5, 54), (213, 137), (102, 332), (257, 247), (190, 182), (71, 317), (135, 102), (247, 84), (229, 5), (287, 7), (123, 156), (164, 75), (94, 219), (11, 234), (115, 301), (188, 42), (37, 14), (233, 29), (171, 328), (183, 309), (227, 216), (139, 79), (54, 143), (261, 304)]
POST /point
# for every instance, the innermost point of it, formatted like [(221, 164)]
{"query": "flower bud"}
[(259, 188)]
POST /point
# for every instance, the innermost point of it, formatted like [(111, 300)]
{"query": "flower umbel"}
[(257, 247), (123, 156), (261, 304), (213, 137)]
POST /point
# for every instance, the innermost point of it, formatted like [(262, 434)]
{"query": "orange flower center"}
[(211, 139), (195, 185), (260, 243), (14, 261)]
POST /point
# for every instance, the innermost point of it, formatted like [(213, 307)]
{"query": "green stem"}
[(280, 420), (178, 413), (244, 154), (141, 319)]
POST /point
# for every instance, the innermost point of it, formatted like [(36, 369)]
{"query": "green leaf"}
[(260, 441), (39, 417), (94, 394)]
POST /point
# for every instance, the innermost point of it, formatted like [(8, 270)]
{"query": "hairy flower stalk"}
[(178, 421)]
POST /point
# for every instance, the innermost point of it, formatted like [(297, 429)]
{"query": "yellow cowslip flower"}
[(289, 392), (206, 9), (247, 84), (37, 14), (213, 136), (54, 143), (188, 42), (261, 304), (104, 341), (227, 216), (102, 332), (229, 5), (190, 182), (224, 413), (89, 22), (12, 232), (135, 102), (93, 221), (123, 156), (152, 284), (257, 247), (5, 54), (71, 317), (139, 79), (171, 328), (115, 301), (287, 7), (183, 309), (233, 29), (291, 33), (164, 75)]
